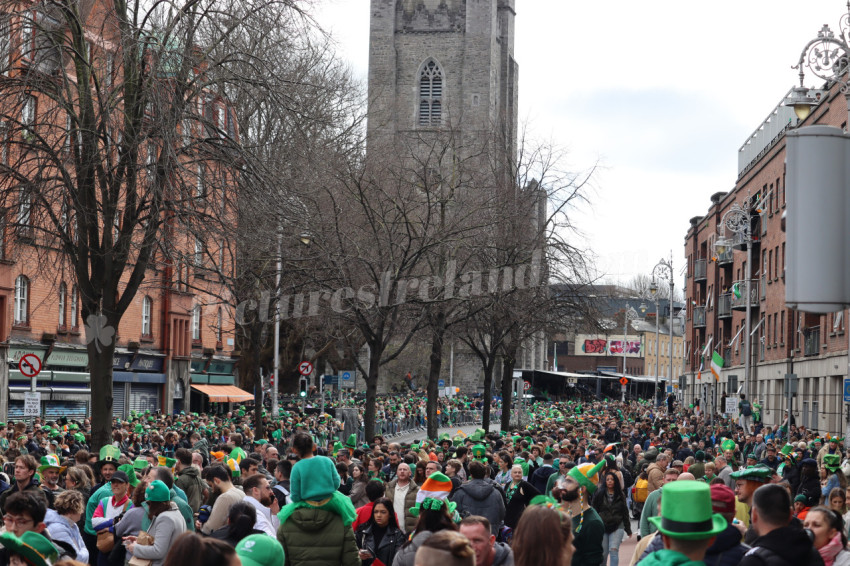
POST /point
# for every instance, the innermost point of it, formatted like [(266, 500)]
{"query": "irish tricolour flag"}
[(716, 365)]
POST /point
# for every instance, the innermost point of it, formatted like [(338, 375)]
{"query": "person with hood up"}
[(779, 543), (188, 478), (687, 525), (480, 497)]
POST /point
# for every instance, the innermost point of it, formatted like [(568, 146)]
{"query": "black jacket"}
[(785, 546), (614, 513), (521, 498), (727, 549), (810, 487), (392, 541)]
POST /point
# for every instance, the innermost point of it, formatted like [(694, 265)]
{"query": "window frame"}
[(147, 316), (21, 309), (63, 305), (431, 96)]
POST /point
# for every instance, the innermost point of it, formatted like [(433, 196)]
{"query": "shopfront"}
[(213, 385), (64, 382), (138, 380)]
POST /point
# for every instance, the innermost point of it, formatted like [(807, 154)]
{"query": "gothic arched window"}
[(430, 94)]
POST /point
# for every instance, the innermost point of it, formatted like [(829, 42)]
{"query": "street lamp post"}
[(629, 313), (662, 270), (737, 220)]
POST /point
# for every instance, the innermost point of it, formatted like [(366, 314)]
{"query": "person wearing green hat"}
[(687, 524), (748, 480), (575, 493), (166, 526), (832, 464), (31, 548), (260, 550)]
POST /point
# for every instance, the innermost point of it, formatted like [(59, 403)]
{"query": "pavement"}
[(627, 548)]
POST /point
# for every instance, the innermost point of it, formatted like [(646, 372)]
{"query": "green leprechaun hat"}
[(351, 443), (587, 475), (51, 461), (109, 455), (832, 462), (686, 512), (479, 452), (758, 473)]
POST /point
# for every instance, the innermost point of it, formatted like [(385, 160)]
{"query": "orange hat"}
[(432, 456)]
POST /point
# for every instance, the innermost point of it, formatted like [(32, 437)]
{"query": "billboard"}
[(591, 345)]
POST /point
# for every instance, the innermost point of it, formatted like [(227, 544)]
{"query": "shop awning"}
[(224, 393)]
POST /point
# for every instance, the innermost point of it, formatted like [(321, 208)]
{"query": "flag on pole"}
[(736, 290), (701, 367), (716, 365)]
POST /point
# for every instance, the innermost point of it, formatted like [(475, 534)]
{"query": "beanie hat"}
[(438, 486), (587, 475), (700, 456), (722, 499), (260, 550), (157, 491)]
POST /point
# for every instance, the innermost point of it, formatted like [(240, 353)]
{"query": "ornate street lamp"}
[(739, 222), (662, 270)]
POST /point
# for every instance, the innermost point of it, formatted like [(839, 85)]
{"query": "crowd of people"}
[(564, 490)]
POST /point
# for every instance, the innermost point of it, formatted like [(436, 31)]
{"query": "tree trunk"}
[(100, 366), (488, 393), (372, 390), (436, 364), (507, 381)]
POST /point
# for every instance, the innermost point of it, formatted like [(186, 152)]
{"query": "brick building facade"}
[(784, 341)]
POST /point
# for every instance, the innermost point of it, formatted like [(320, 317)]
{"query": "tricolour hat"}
[(437, 486), (587, 474), (260, 550), (50, 462), (33, 547), (686, 512)]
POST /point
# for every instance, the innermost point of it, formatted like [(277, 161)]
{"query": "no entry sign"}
[(30, 365)]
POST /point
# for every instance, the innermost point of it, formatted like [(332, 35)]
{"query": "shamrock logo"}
[(98, 331)]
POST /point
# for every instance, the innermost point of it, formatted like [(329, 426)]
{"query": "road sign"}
[(346, 379), (847, 390), (305, 368), (30, 365), (441, 383), (32, 404), (330, 379), (624, 381), (526, 386), (572, 380)]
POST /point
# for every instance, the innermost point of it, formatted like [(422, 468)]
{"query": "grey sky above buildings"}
[(661, 94)]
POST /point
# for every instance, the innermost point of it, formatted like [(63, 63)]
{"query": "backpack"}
[(746, 408), (641, 490), (284, 494)]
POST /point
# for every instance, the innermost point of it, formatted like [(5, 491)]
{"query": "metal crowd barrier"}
[(390, 428)]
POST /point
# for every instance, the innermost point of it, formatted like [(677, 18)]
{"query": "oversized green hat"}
[(50, 462), (728, 444), (35, 548), (587, 474), (787, 449), (445, 436), (131, 474), (832, 462), (479, 451), (351, 442), (759, 473), (686, 512), (109, 454), (140, 464)]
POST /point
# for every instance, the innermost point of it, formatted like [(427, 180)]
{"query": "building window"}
[(24, 209), (199, 181), (27, 36), (63, 299), (219, 324), (5, 44), (430, 94), (75, 312), (147, 307), (22, 295), (28, 112), (196, 323)]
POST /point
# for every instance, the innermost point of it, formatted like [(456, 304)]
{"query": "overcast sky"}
[(661, 93)]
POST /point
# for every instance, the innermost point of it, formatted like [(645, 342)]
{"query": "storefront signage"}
[(68, 358), (148, 363)]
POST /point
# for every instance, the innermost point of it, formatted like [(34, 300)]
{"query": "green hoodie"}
[(669, 558)]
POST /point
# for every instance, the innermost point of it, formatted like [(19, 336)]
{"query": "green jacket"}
[(316, 537), (669, 558)]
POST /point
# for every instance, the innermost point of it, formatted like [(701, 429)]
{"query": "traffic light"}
[(302, 387)]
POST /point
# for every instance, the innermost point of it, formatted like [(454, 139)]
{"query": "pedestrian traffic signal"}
[(302, 388)]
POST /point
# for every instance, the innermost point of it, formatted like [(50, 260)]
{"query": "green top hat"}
[(128, 469), (832, 462), (759, 473), (787, 449), (351, 442), (445, 437), (686, 512), (479, 451), (35, 548), (109, 455)]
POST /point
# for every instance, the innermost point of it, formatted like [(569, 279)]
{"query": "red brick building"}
[(784, 341)]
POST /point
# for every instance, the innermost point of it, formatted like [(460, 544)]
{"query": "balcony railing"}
[(699, 270), (699, 317), (811, 338), (726, 257), (739, 298), (724, 305)]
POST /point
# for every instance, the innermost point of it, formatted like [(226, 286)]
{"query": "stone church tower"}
[(443, 63)]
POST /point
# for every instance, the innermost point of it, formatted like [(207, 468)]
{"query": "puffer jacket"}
[(63, 530), (316, 537), (480, 497), (406, 555), (408, 522)]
